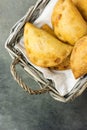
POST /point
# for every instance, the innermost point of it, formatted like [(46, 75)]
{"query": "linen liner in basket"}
[(37, 15)]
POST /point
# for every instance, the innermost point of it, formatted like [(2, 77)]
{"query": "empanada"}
[(82, 7), (42, 48), (78, 59), (67, 22)]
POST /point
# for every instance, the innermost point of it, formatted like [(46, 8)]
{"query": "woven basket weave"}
[(18, 58)]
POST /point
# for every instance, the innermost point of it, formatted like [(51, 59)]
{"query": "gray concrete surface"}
[(20, 111)]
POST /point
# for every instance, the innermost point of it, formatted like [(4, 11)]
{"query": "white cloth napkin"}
[(64, 80)]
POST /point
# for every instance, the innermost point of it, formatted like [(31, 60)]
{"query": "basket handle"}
[(21, 83)]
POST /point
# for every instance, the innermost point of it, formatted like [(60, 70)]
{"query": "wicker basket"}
[(18, 58)]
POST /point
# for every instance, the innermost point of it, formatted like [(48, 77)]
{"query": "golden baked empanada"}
[(78, 59), (67, 22), (82, 7), (42, 48)]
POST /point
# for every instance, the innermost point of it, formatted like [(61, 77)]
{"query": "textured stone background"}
[(18, 110)]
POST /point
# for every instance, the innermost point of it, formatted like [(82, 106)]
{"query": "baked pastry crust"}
[(67, 22), (78, 58), (42, 48)]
